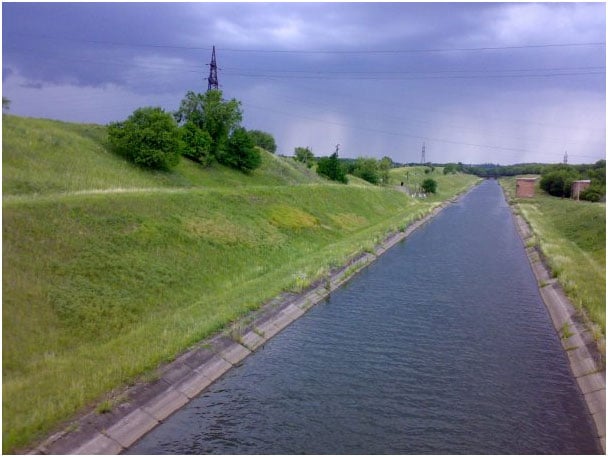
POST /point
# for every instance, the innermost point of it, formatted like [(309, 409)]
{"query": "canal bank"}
[(145, 405), (573, 330)]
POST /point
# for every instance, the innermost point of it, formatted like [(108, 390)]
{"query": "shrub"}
[(330, 168), (149, 138), (592, 194), (558, 182), (367, 169), (240, 152), (304, 155), (429, 186)]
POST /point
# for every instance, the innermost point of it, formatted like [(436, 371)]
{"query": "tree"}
[(263, 140), (196, 143), (384, 165), (210, 113), (149, 138), (304, 155), (330, 168), (366, 168), (240, 152), (429, 186), (6, 104)]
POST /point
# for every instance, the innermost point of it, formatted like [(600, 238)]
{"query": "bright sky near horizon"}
[(475, 82)]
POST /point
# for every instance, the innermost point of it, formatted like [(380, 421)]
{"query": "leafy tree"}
[(366, 168), (149, 138), (304, 155), (240, 152), (384, 165), (264, 140), (197, 143), (429, 186), (6, 104), (330, 168), (210, 113)]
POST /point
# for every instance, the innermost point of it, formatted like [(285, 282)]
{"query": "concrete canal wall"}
[(574, 332)]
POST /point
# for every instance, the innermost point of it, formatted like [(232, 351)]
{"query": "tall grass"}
[(100, 287), (572, 236)]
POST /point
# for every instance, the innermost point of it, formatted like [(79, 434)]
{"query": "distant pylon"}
[(566, 157), (212, 79), (423, 157)]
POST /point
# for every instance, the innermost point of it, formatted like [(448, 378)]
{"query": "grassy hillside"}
[(572, 236), (109, 269)]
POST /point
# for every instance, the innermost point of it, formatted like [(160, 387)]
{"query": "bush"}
[(263, 140), (429, 186), (558, 182), (304, 155), (330, 168), (240, 152), (592, 194), (367, 169), (149, 138), (196, 143)]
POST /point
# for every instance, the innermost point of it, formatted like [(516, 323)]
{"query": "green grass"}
[(447, 185), (101, 285), (572, 236)]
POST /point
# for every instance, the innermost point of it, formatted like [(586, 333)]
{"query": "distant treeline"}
[(556, 179)]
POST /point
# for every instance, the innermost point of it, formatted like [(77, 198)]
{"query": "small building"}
[(578, 187), (524, 187)]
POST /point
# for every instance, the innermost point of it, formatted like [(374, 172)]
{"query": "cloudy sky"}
[(475, 82)]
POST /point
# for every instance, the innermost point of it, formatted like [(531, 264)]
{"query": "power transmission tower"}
[(423, 158), (213, 83), (566, 157)]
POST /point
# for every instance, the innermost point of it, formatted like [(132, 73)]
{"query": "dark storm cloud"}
[(514, 103)]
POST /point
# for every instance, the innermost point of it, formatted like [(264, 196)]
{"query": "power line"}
[(317, 51)]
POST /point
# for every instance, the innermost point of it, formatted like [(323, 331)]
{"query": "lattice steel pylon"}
[(212, 79), (423, 157), (566, 157)]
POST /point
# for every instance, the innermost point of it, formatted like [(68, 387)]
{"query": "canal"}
[(443, 346)]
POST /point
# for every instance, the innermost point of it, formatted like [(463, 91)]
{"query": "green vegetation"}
[(263, 140), (572, 236), (149, 138), (556, 178), (331, 168), (429, 186), (110, 269), (447, 184), (304, 155)]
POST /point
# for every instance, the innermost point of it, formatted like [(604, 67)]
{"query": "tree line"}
[(206, 128)]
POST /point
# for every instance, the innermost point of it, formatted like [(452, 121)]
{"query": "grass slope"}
[(102, 284), (572, 236)]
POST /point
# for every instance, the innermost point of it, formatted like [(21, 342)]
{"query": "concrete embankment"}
[(575, 334), (146, 405)]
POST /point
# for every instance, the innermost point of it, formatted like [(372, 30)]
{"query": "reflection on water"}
[(442, 347)]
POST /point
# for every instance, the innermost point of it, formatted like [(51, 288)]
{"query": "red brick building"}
[(578, 187), (525, 187)]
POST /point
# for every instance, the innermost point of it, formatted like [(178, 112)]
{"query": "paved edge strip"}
[(571, 330), (149, 404)]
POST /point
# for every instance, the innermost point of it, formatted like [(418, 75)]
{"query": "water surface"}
[(443, 346)]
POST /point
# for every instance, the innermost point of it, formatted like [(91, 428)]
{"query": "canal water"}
[(443, 346)]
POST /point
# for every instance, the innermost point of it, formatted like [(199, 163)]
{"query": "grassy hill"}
[(109, 269), (572, 236)]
